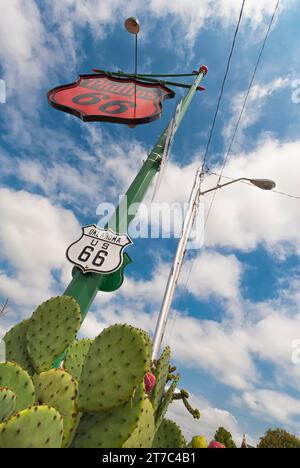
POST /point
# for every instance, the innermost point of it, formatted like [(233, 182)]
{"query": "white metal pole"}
[(263, 184), (177, 264)]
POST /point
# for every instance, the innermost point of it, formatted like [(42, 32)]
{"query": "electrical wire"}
[(243, 108), (223, 85), (249, 90), (218, 108)]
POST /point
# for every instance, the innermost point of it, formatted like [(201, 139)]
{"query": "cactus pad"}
[(52, 328), (19, 381), (16, 346), (166, 401), (110, 429), (161, 374), (36, 427), (147, 339), (58, 389), (169, 435), (143, 435), (115, 365), (75, 356), (8, 402)]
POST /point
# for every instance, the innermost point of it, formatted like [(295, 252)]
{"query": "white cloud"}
[(244, 217), (34, 235), (216, 348), (22, 38), (272, 406), (211, 419), (28, 53), (259, 96), (75, 174), (190, 16), (214, 274)]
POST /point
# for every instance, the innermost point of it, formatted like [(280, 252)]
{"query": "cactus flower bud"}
[(150, 382)]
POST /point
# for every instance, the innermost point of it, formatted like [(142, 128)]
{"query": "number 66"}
[(99, 258)]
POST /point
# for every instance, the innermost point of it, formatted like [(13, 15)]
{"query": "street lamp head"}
[(263, 184), (132, 25)]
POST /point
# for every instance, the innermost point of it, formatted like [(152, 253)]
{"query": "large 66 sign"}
[(98, 250), (104, 98), (111, 107)]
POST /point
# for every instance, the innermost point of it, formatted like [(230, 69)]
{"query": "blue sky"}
[(233, 323)]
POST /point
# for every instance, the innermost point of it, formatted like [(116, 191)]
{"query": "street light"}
[(263, 184)]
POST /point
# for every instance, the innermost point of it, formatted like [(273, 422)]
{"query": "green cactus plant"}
[(16, 346), (148, 340), (169, 435), (110, 429), (161, 375), (35, 427), (58, 389), (52, 328), (75, 357), (8, 402), (184, 396), (114, 371), (114, 367), (166, 401), (143, 435), (18, 380)]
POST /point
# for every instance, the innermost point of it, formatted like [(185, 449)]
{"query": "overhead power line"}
[(249, 90), (244, 106), (239, 119), (223, 85), (217, 110)]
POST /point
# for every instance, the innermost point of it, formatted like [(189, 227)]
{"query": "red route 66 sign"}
[(103, 98)]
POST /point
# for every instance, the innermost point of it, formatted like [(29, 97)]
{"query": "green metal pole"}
[(84, 287)]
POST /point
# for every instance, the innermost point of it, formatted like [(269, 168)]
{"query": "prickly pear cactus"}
[(75, 357), (169, 435), (36, 427), (166, 401), (16, 346), (58, 389), (147, 339), (53, 326), (8, 402), (110, 429), (161, 374), (19, 381), (143, 435), (193, 411), (114, 367)]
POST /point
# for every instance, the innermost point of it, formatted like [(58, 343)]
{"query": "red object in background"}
[(103, 98), (216, 445), (150, 382)]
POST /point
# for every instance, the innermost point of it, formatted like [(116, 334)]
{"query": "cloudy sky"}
[(236, 315)]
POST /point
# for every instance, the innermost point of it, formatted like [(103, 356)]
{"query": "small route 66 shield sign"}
[(98, 250)]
